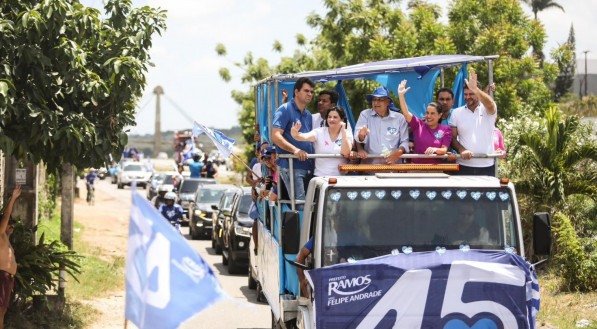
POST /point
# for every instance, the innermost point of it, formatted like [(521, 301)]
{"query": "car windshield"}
[(189, 186), (206, 195), (245, 204), (135, 167), (363, 223)]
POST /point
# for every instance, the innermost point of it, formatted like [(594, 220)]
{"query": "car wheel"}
[(120, 186), (224, 259), (260, 296), (252, 282), (233, 267), (193, 232)]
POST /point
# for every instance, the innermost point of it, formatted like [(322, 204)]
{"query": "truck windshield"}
[(362, 223)]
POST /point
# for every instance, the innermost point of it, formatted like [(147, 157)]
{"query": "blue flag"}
[(167, 281), (451, 289), (222, 142)]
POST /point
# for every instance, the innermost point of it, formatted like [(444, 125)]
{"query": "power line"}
[(144, 106), (179, 109)]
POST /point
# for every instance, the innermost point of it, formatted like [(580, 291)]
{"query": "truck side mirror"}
[(290, 232), (541, 234)]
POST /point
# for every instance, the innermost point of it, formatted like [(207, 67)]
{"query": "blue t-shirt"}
[(172, 213), (90, 178), (309, 245), (195, 169), (284, 117)]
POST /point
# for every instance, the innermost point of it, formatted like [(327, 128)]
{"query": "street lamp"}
[(586, 81)]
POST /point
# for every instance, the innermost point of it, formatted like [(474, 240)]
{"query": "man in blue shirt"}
[(171, 211), (284, 117), (195, 166), (381, 130)]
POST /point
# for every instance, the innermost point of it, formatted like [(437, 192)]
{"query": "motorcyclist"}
[(89, 183), (159, 199), (171, 211)]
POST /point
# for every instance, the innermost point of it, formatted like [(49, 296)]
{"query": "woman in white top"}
[(332, 138)]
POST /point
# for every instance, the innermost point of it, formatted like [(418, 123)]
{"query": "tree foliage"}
[(70, 78), (541, 5), (565, 58)]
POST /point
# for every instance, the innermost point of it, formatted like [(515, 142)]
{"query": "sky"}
[(186, 64)]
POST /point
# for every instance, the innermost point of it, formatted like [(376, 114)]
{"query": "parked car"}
[(134, 171), (186, 193), (237, 233), (220, 212), (200, 209)]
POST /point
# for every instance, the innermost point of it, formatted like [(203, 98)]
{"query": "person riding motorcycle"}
[(160, 199), (171, 211)]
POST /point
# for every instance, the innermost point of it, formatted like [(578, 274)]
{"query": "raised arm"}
[(16, 192), (401, 92), (484, 98), (346, 141), (302, 137)]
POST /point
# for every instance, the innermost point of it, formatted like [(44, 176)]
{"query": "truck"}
[(395, 248)]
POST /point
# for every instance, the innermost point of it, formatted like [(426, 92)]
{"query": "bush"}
[(577, 266), (38, 266)]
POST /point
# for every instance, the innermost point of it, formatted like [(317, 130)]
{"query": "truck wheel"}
[(260, 296), (224, 259), (252, 282), (233, 267), (193, 232)]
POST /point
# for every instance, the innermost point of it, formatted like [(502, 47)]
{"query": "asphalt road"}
[(240, 309)]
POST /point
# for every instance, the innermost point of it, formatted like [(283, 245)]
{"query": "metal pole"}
[(442, 77), (490, 73), (586, 80), (157, 135)]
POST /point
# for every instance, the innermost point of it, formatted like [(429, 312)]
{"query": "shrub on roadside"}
[(577, 267)]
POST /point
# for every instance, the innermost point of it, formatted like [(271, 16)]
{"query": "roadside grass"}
[(97, 278), (563, 310)]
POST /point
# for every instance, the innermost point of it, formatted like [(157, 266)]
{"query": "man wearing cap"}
[(472, 130), (381, 129), (284, 117), (8, 264)]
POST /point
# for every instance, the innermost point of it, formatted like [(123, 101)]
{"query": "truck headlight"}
[(242, 231)]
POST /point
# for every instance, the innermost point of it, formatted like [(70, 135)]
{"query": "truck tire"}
[(233, 267), (252, 282), (194, 233), (260, 296)]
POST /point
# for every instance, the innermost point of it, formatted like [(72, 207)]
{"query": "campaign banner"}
[(167, 281), (450, 289)]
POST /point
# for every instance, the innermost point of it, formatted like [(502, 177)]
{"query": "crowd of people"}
[(381, 129)]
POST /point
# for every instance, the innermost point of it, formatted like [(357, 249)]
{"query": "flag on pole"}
[(223, 143), (167, 281)]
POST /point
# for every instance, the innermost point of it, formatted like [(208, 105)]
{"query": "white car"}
[(134, 171)]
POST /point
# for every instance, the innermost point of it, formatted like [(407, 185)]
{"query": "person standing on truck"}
[(284, 117), (445, 98), (472, 130), (325, 101), (332, 138), (195, 166), (380, 130), (430, 137)]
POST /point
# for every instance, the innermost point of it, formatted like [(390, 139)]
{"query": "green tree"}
[(541, 5), (553, 160), (565, 58), (70, 78)]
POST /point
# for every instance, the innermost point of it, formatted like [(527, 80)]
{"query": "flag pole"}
[(246, 165)]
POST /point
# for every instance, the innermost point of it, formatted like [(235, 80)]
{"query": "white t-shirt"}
[(475, 133), (324, 145), (256, 170)]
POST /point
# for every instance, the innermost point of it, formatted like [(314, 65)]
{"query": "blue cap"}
[(382, 92), (269, 151)]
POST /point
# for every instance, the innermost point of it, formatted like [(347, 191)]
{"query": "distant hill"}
[(144, 143)]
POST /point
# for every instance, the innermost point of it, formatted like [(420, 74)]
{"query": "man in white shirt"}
[(472, 130), (325, 101)]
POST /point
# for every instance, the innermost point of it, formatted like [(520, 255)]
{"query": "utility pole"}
[(586, 80), (157, 135)]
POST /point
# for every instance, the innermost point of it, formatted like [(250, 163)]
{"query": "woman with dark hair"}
[(332, 138), (430, 137)]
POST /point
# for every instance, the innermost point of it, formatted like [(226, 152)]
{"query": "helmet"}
[(170, 196), (164, 188)]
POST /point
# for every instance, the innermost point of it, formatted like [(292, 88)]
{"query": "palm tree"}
[(557, 163), (541, 5)]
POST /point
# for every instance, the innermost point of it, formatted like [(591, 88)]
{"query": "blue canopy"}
[(420, 72)]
